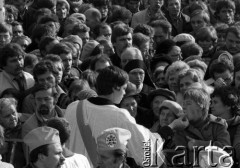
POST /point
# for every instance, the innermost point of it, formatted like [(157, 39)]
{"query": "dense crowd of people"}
[(119, 83)]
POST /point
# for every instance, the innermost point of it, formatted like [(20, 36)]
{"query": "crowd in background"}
[(172, 65)]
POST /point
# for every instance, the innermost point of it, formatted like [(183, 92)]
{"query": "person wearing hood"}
[(139, 76)]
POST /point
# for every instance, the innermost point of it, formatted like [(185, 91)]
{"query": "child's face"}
[(206, 45)]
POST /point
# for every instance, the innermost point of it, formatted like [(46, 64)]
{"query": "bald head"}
[(130, 53)]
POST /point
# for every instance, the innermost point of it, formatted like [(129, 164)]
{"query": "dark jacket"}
[(234, 131), (210, 130), (14, 154), (186, 26)]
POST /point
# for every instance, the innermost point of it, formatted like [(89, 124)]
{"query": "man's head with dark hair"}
[(30, 61), (144, 29), (50, 4), (52, 21), (169, 48), (41, 31), (12, 59), (225, 102), (66, 55), (5, 34), (17, 29), (104, 30), (46, 44), (190, 49), (82, 31), (121, 37), (110, 81), (46, 97), (233, 39), (103, 6), (133, 5), (62, 125), (57, 61), (45, 72), (41, 150), (100, 62), (142, 42), (225, 10), (221, 29), (222, 69), (162, 30), (122, 14)]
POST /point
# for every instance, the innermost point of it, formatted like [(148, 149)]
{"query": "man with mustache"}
[(50, 72), (13, 76), (233, 40), (45, 148), (45, 96)]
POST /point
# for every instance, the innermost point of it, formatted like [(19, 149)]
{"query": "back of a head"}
[(122, 14), (110, 78), (59, 49), (165, 46), (144, 29), (63, 127), (190, 49), (46, 4), (139, 39)]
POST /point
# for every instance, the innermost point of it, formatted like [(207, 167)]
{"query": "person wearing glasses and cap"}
[(45, 148), (112, 148)]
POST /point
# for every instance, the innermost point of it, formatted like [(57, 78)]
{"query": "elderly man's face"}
[(8, 117)]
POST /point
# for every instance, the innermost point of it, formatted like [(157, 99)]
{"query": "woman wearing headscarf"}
[(139, 76)]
